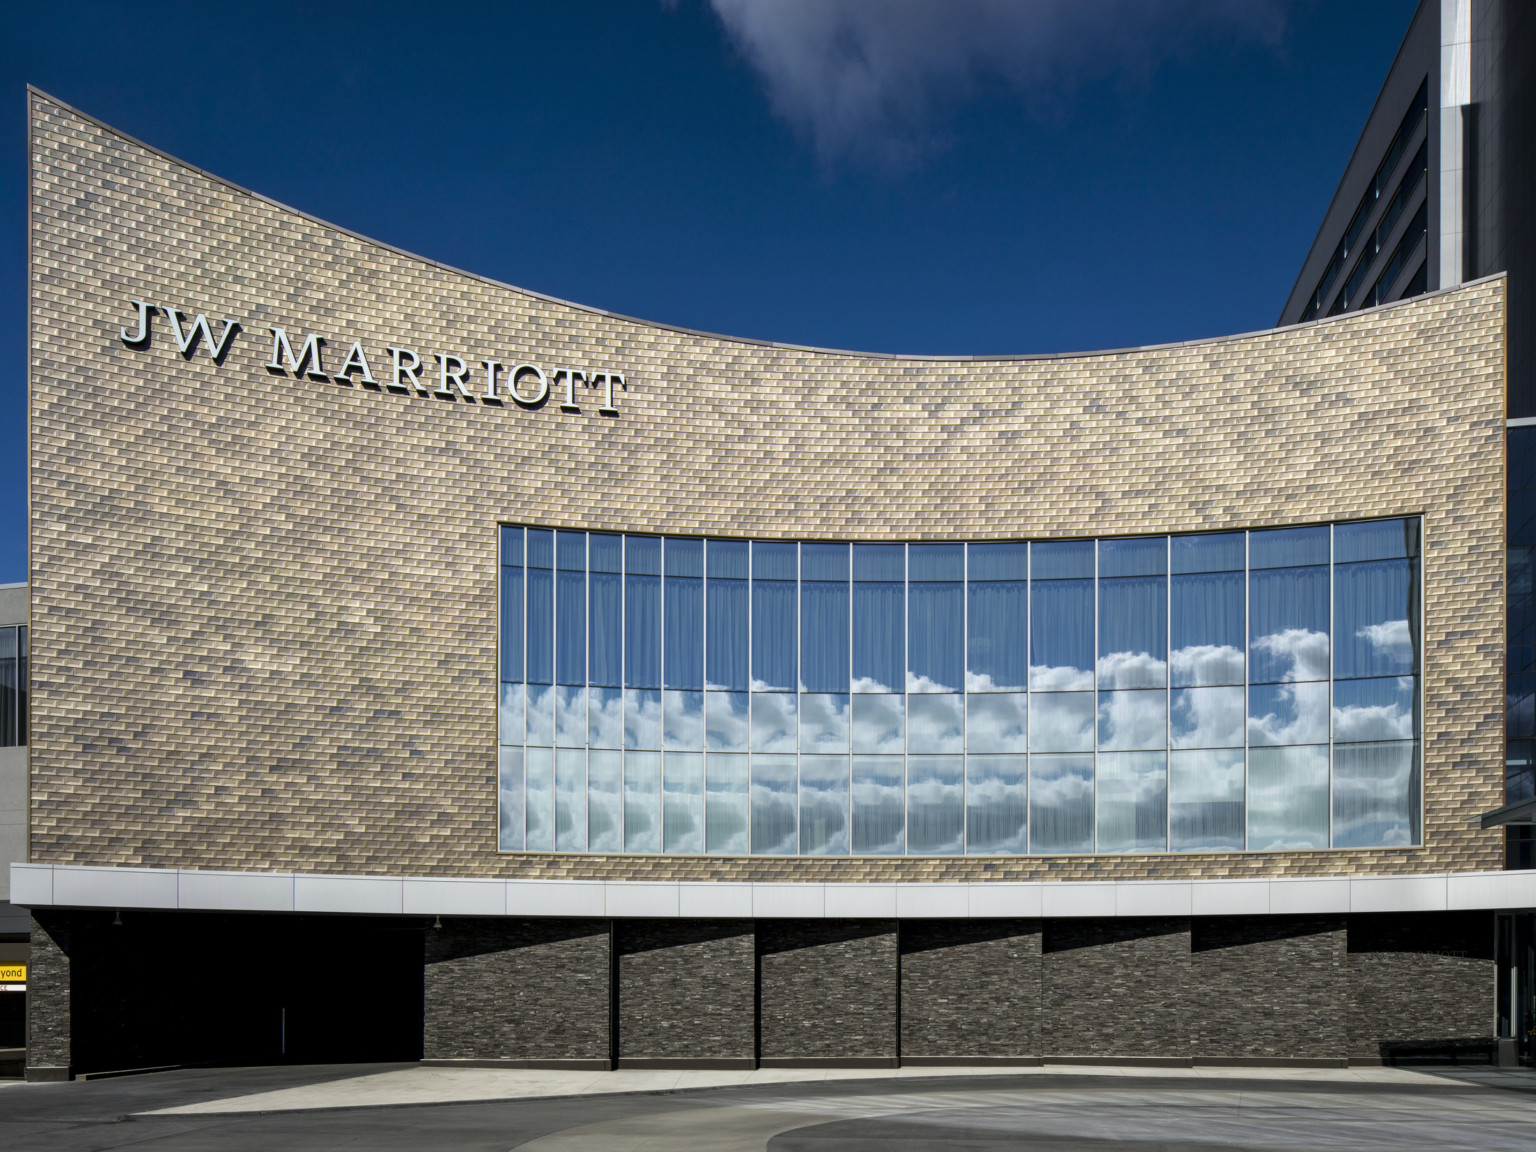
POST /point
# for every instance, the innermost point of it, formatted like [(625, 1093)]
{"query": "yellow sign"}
[(13, 973)]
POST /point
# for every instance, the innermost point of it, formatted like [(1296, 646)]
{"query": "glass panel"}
[(1005, 561), (682, 799), (1217, 552), (824, 562), (936, 723), (880, 562), (1376, 618), (570, 800), (773, 805), (726, 634), (541, 548), (998, 621), (824, 805), (605, 812), (823, 722), (1376, 540), (571, 717), (1061, 721), (1133, 632), (509, 800), (511, 546), (570, 627), (642, 802), (684, 645), (1060, 805), (1287, 798), (935, 805), (774, 561), (1287, 714), (935, 637), (540, 811), (605, 553), (727, 805), (541, 715), (1060, 634), (510, 714), (823, 635), (728, 559), (1142, 556), (935, 562), (1207, 718), (1205, 800), (571, 551), (605, 636), (726, 724), (682, 721), (1288, 547), (879, 723), (642, 555), (1207, 629), (511, 624), (1288, 623), (879, 809), (541, 626), (605, 718), (684, 557), (1376, 795), (642, 718), (1061, 559), (775, 727), (1132, 802), (773, 635), (642, 631), (1376, 709), (996, 805), (997, 722), (879, 637), (1133, 720)]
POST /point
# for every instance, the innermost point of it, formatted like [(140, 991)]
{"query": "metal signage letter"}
[(528, 401), (200, 325), (308, 354), (356, 362), (143, 332)]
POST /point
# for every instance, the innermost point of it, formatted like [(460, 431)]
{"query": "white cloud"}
[(1303, 653), (876, 80), (1202, 664), (1391, 639)]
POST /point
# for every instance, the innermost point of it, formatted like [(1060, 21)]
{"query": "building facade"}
[(425, 668)]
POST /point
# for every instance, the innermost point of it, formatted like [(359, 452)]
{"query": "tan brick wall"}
[(264, 608)]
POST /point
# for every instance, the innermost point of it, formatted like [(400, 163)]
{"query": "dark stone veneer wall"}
[(1158, 990), (578, 992)]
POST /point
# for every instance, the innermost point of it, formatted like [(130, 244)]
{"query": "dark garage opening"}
[(155, 989)]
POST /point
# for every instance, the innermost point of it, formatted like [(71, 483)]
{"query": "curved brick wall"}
[(264, 605)]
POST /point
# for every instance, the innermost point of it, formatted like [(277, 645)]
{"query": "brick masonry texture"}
[(686, 989), (517, 990), (827, 990), (970, 988), (1420, 979), (1269, 987), (1115, 988), (264, 607)]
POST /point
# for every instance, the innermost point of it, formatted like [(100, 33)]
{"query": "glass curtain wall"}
[(1218, 692), (13, 686)]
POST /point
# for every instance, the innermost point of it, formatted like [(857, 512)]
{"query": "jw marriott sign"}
[(449, 377)]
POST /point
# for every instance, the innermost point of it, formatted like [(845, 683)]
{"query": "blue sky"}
[(952, 176)]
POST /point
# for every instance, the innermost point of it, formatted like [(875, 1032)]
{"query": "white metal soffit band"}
[(67, 886)]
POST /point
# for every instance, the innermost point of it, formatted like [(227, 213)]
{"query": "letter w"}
[(185, 339), (308, 354)]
